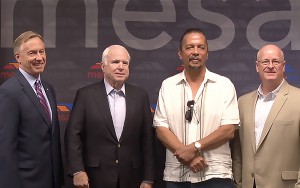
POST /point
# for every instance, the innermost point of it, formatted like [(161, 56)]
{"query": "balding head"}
[(268, 49), (270, 66)]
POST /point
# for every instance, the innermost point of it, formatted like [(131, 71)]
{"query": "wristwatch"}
[(197, 146)]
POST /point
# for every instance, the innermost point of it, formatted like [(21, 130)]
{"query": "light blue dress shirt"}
[(117, 106), (31, 80)]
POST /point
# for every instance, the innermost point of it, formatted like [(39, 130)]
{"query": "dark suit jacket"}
[(92, 145), (30, 155)]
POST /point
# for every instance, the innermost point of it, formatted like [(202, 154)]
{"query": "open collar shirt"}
[(215, 105), (262, 109), (117, 106)]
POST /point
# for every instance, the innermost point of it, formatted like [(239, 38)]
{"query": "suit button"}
[(119, 145), (117, 161), (252, 174)]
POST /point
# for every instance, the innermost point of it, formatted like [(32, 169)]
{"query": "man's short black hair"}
[(191, 30)]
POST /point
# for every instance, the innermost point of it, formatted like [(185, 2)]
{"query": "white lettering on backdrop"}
[(120, 16)]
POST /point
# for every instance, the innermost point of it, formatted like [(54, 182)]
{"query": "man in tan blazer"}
[(266, 150)]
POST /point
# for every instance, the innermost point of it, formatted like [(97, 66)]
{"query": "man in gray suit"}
[(30, 155), (266, 154)]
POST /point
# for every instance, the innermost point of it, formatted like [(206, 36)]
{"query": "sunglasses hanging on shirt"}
[(189, 112)]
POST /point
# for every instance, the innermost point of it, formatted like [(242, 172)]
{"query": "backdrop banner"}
[(77, 31)]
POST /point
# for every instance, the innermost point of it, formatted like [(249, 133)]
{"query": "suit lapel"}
[(253, 101), (276, 107), (101, 100), (52, 103), (32, 96)]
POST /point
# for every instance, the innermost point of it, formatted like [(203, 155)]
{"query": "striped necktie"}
[(38, 88)]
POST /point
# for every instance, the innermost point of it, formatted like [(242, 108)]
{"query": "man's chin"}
[(196, 67), (271, 76), (120, 80)]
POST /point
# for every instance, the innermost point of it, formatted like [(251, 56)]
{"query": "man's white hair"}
[(106, 52)]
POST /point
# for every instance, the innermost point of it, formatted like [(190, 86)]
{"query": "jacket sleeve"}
[(148, 143), (237, 160), (73, 137), (9, 121)]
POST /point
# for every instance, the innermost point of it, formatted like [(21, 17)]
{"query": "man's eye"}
[(31, 53)]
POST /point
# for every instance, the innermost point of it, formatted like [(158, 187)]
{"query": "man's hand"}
[(146, 185), (81, 180), (186, 153), (198, 164)]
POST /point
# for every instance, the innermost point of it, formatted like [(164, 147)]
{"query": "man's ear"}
[(17, 57), (179, 53), (102, 65)]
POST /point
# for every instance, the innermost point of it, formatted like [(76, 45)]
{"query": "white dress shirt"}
[(262, 109)]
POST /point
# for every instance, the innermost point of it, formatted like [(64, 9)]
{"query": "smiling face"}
[(115, 65), (194, 51), (270, 65), (31, 56)]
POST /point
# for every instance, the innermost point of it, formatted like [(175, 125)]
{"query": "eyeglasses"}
[(189, 112), (266, 62)]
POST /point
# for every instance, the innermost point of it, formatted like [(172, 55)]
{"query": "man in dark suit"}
[(30, 154), (109, 137)]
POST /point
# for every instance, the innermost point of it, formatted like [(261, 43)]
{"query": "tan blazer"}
[(275, 163)]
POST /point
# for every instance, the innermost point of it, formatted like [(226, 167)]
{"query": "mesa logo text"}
[(8, 70), (95, 71)]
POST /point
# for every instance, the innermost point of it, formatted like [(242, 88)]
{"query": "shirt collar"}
[(271, 95), (109, 88), (208, 76), (28, 77)]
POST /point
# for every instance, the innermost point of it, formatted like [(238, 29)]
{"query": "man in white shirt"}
[(195, 118)]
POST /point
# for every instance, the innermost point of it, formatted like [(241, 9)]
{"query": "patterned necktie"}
[(38, 88)]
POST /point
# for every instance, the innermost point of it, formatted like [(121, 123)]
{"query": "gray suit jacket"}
[(275, 163)]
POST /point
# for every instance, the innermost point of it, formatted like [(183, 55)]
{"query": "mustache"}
[(192, 57)]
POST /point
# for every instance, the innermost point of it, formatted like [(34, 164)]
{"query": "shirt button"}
[(117, 161), (119, 145)]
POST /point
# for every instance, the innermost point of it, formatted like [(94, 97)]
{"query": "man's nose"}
[(196, 51), (38, 56), (120, 66), (270, 64)]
